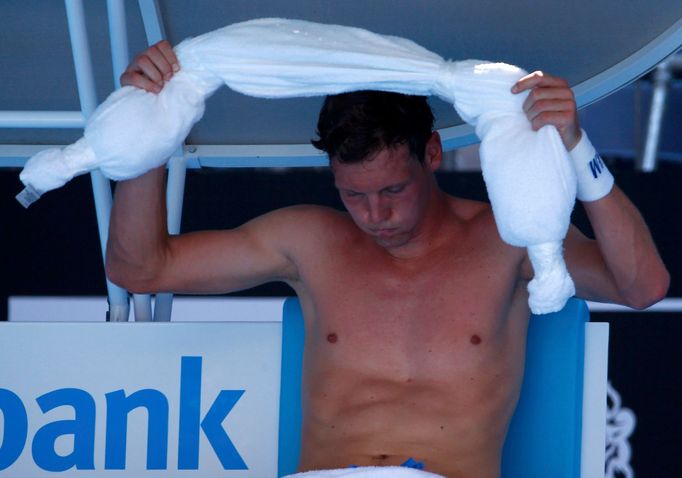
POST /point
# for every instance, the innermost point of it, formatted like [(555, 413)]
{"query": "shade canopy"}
[(597, 46)]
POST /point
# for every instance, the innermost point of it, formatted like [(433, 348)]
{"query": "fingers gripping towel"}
[(530, 181), (368, 472)]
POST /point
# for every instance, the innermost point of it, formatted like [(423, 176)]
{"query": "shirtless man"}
[(415, 310)]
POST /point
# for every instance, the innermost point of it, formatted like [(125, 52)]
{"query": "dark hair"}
[(354, 125)]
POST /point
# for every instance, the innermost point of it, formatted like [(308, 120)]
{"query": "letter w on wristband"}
[(597, 165), (594, 179)]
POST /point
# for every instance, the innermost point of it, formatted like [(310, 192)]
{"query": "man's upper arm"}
[(587, 268), (257, 252), (592, 278)]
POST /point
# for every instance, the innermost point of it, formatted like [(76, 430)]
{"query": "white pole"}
[(648, 160), (177, 167), (175, 193), (118, 298), (118, 37), (41, 119), (151, 17)]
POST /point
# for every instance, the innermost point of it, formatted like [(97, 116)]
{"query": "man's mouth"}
[(383, 233)]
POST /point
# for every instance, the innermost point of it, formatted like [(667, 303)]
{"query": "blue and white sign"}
[(139, 399)]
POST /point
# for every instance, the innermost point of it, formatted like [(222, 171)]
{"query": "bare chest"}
[(450, 315)]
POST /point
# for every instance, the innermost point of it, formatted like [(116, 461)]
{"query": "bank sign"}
[(139, 399)]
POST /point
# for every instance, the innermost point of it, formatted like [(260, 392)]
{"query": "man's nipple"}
[(332, 338)]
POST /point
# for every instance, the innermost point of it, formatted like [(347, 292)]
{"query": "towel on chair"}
[(530, 181), (368, 472)]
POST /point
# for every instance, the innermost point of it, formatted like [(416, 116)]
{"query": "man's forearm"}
[(138, 231), (628, 249)]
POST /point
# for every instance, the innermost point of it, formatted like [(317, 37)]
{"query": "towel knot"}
[(552, 285), (444, 82)]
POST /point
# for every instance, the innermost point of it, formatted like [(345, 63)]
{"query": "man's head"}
[(353, 126), (383, 154)]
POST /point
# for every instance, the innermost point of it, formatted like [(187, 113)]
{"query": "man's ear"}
[(433, 153)]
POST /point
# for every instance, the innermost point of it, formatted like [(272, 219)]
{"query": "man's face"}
[(386, 195)]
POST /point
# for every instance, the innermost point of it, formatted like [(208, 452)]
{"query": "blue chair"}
[(551, 432)]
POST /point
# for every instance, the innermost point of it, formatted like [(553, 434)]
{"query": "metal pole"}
[(648, 161), (175, 193), (118, 37), (41, 119), (118, 298), (151, 17), (177, 166)]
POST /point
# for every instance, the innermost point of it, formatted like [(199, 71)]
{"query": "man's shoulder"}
[(309, 213), (307, 232), (477, 218), (306, 220), (469, 210)]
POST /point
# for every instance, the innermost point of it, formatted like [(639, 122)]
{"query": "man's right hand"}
[(151, 68)]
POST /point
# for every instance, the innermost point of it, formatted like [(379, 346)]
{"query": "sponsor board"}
[(139, 399)]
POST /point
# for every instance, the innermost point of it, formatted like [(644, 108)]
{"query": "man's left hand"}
[(550, 101)]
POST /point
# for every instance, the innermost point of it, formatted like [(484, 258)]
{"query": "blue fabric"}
[(412, 463), (293, 334), (544, 437), (545, 433), (409, 463)]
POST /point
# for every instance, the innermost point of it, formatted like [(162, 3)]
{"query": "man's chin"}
[(392, 241)]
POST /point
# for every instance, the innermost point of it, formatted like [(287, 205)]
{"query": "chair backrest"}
[(293, 334), (544, 437)]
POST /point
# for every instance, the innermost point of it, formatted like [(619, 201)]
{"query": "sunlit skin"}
[(415, 356), (415, 310)]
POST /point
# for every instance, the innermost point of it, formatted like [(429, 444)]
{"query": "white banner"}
[(139, 399), (185, 309)]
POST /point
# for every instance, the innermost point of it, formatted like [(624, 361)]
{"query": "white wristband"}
[(594, 180)]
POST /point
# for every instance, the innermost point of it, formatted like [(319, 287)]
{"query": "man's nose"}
[(378, 210)]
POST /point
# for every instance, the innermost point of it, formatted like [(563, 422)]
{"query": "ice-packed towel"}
[(368, 472), (530, 181)]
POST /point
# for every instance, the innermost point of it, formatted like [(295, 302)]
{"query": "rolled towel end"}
[(54, 167), (28, 196), (552, 285)]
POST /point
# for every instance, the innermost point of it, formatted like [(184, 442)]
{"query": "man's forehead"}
[(374, 174)]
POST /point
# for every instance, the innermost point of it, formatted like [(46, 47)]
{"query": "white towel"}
[(368, 472), (530, 182)]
